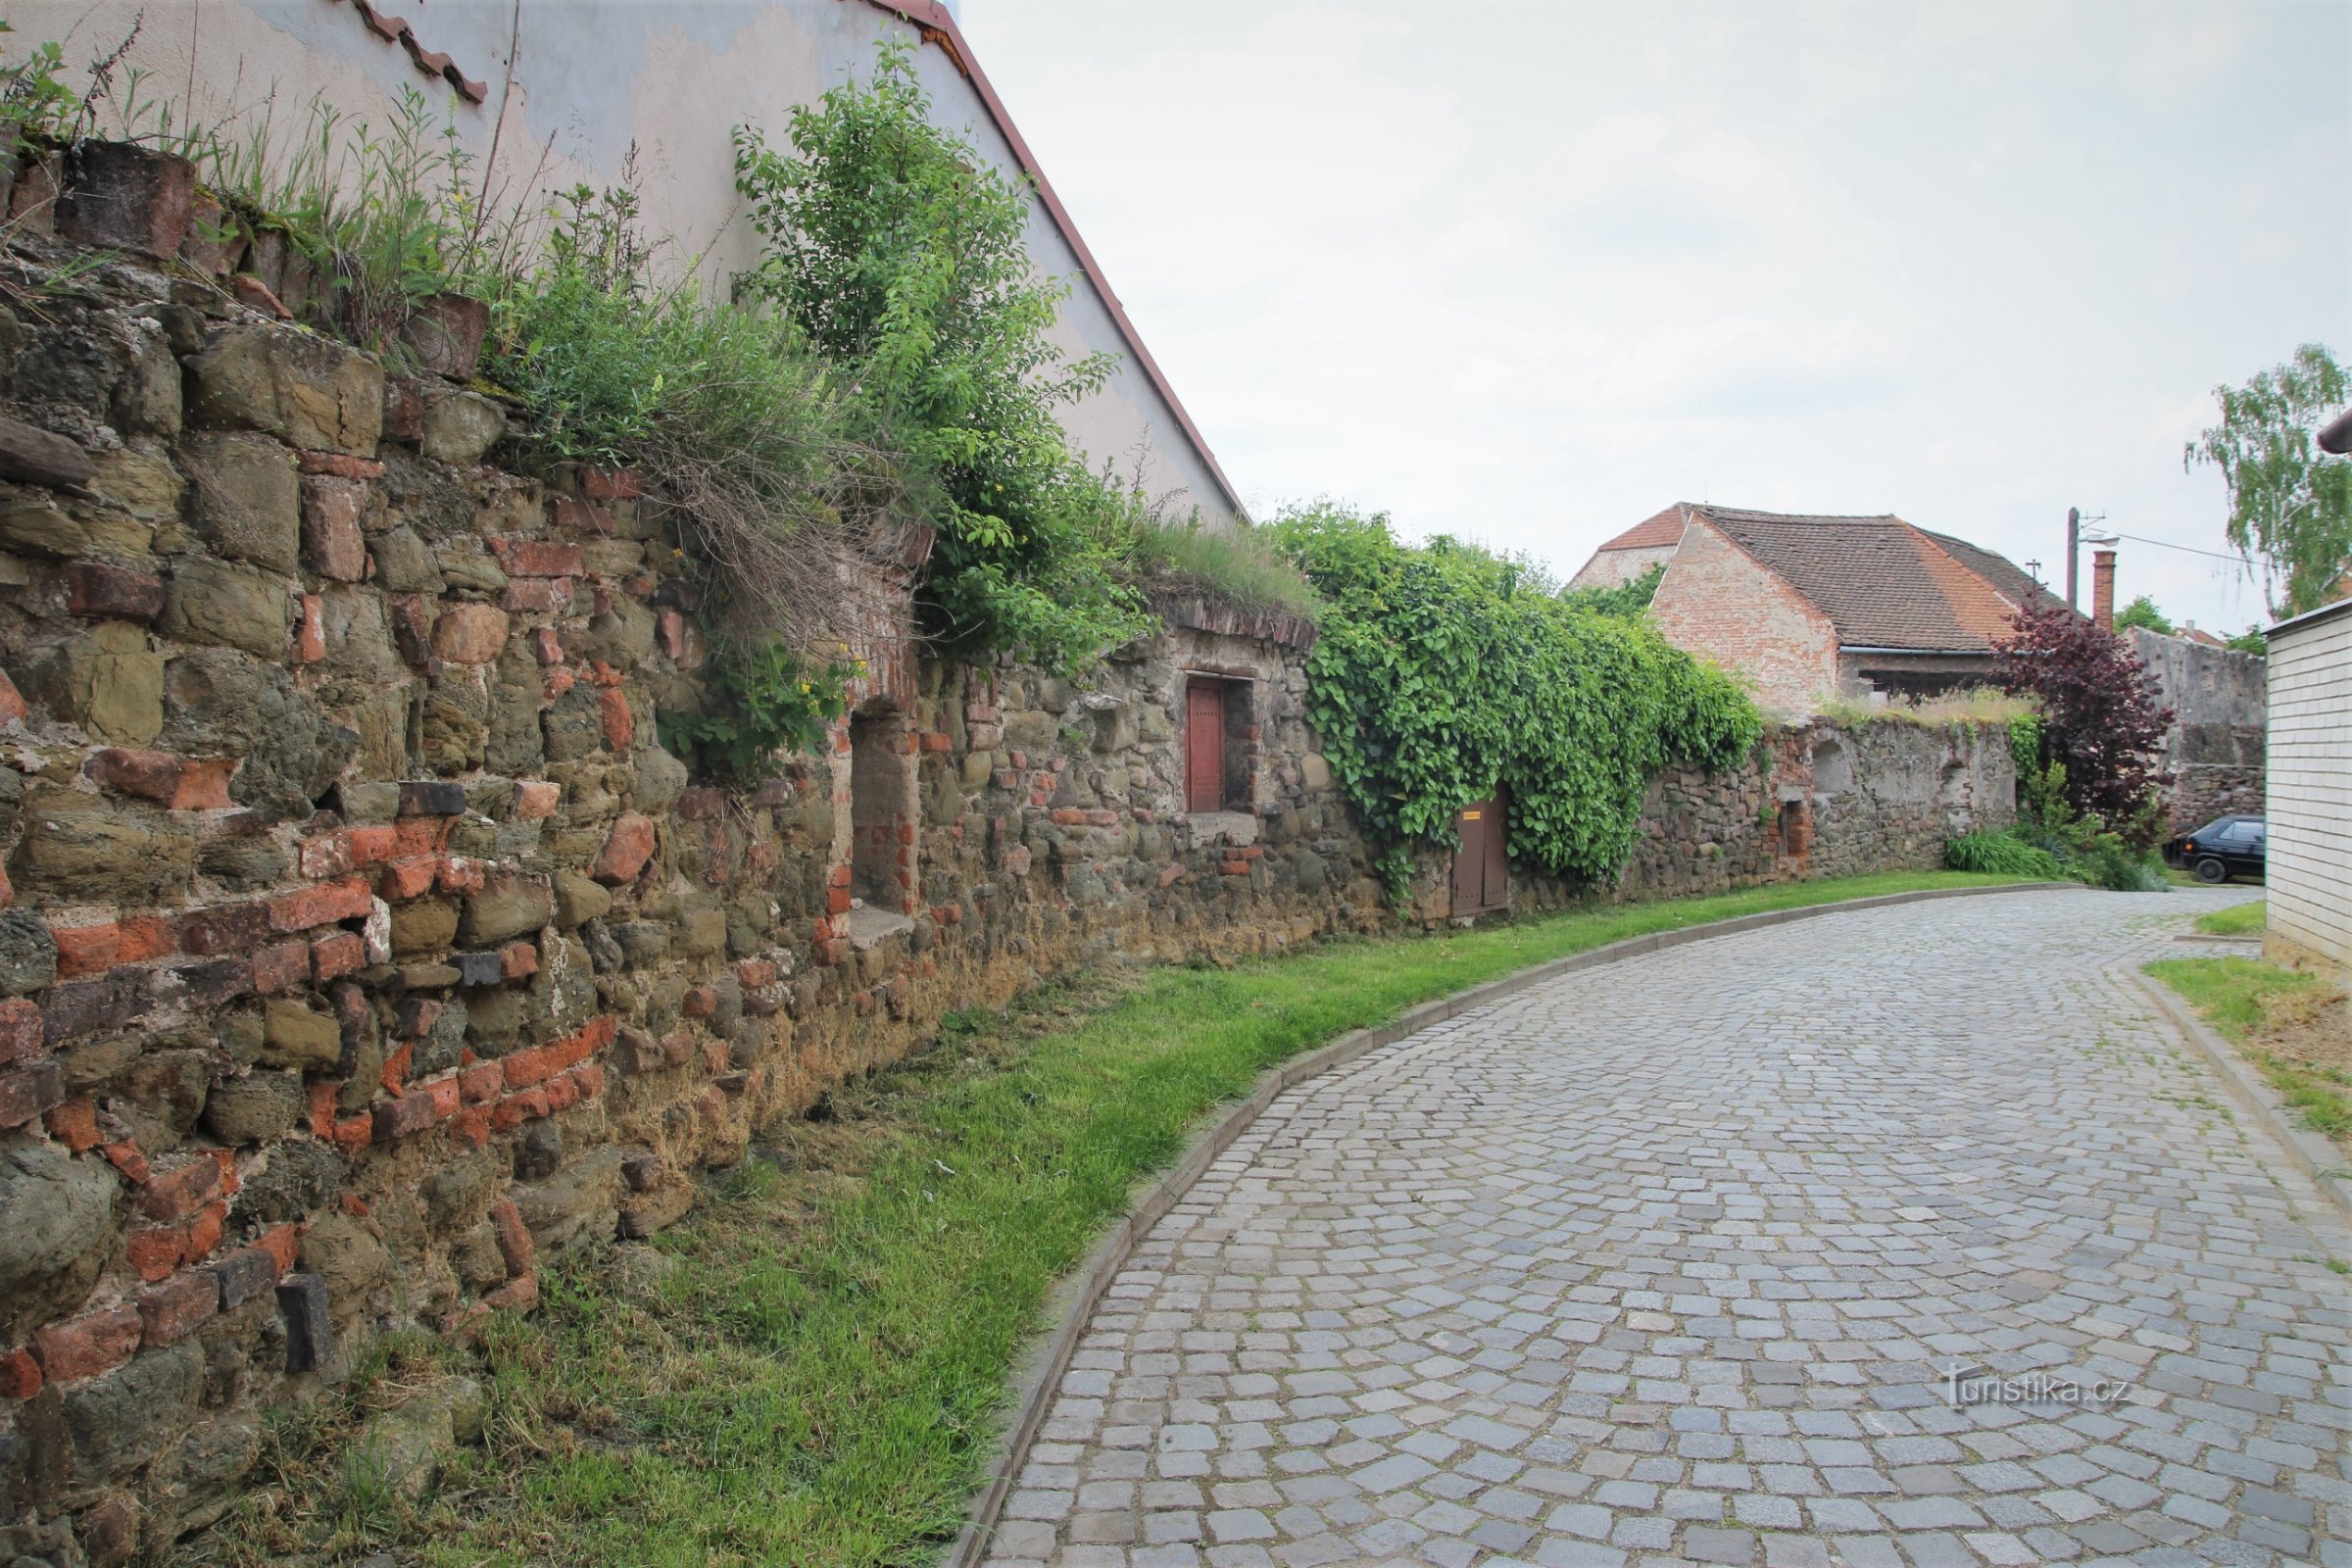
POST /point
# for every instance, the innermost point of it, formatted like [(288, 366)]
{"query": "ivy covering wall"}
[(1442, 670)]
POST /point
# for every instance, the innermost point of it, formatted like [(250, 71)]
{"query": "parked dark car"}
[(2223, 847)]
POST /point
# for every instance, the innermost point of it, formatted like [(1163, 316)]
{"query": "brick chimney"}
[(2102, 588)]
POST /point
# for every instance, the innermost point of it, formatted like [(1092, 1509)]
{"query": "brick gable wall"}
[(1717, 602)]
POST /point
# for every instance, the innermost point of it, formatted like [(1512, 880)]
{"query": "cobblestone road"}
[(1667, 1261)]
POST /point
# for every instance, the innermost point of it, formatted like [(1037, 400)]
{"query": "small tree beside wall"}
[(2102, 719)]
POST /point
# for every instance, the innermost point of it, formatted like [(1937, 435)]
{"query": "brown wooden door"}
[(1204, 747), (1481, 866)]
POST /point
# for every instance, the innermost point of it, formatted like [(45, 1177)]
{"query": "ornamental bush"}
[(1442, 670), (2101, 718)]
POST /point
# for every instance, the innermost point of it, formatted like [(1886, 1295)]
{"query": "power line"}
[(2166, 544)]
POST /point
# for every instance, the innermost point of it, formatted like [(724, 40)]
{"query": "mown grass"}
[(2276, 1016), (2237, 920), (810, 1369)]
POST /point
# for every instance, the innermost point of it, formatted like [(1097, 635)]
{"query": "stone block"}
[(212, 601), (426, 925), (247, 498), (469, 634), (111, 593), (108, 680), (84, 849), (32, 456), (302, 1301), (74, 528), (508, 906), (120, 196), (306, 390), (119, 1421), (331, 537), (458, 426), (56, 1215), (255, 1109), (177, 1309), (296, 1037)]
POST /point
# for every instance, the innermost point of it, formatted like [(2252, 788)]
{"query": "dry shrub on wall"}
[(747, 438)]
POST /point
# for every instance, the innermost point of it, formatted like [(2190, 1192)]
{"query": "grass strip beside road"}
[(2288, 1024), (2237, 920), (810, 1369)]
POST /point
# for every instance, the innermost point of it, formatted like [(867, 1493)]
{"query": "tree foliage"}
[(2143, 612), (2291, 504), (1442, 671), (2102, 721), (1626, 601), (897, 248)]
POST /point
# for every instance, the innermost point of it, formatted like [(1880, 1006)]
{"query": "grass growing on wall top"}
[(813, 1372)]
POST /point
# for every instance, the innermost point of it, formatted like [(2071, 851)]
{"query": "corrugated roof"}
[(1882, 582)]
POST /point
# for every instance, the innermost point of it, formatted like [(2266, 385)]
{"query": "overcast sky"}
[(1529, 271)]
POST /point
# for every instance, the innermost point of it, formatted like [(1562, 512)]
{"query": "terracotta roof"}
[(1663, 531), (1882, 582)]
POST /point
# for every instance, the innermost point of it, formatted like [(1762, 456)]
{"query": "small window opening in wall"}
[(1792, 827), (881, 813)]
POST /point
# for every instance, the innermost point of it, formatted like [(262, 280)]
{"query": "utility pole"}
[(2074, 548)]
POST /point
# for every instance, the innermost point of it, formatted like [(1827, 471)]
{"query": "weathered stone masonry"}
[(360, 945)]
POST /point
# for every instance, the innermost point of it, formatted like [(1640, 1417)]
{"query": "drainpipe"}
[(2102, 588)]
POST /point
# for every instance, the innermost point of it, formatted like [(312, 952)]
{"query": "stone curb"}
[(2311, 1155), (1083, 1291)]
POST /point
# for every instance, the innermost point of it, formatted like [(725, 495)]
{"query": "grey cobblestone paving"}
[(1666, 1262)]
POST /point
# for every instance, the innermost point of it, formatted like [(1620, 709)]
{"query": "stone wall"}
[(1816, 799), (360, 946), (2214, 750)]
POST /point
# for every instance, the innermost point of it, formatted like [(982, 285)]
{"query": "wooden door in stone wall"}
[(1205, 746), (1482, 872)]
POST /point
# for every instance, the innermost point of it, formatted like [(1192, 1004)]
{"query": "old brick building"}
[(1809, 606)]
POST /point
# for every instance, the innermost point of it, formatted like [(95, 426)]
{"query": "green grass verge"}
[(2237, 920), (816, 1372), (2239, 997)]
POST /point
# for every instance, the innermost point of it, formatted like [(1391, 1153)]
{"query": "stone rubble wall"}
[(2215, 749), (1816, 799), (360, 946)]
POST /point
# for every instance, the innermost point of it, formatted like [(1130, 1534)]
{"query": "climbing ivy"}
[(1441, 671)]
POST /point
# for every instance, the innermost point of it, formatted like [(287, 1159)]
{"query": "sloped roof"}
[(1662, 531), (1882, 582)]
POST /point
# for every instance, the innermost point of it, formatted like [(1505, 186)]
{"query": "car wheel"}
[(2212, 869)]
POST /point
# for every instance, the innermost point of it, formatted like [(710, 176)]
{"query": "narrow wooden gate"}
[(1482, 872), (1204, 747)]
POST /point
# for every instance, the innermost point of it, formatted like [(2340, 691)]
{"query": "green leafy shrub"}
[(761, 702), (2001, 855), (1626, 601), (1442, 670), (896, 249)]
